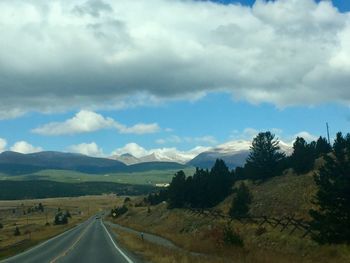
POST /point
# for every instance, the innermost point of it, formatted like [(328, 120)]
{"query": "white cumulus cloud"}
[(174, 139), (3, 144), (60, 55), (307, 136), (25, 147), (88, 121), (141, 128), (132, 148), (90, 149)]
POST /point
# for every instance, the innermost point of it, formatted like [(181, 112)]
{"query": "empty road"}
[(88, 242)]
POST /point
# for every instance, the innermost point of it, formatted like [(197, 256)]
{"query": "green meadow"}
[(65, 176)]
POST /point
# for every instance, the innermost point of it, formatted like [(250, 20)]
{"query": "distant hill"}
[(17, 163), (14, 163), (148, 166), (126, 158), (154, 157), (207, 159)]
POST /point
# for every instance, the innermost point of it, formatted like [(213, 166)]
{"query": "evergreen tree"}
[(339, 147), (347, 143), (332, 220), (322, 147), (157, 198), (264, 158), (239, 173), (176, 190), (240, 203), (220, 182), (203, 189), (303, 157), (200, 188)]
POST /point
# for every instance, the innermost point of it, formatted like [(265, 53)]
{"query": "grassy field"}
[(141, 178), (286, 195), (33, 226)]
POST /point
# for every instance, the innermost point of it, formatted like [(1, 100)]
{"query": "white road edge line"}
[(119, 250)]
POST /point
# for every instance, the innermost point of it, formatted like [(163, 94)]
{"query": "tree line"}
[(207, 188), (266, 159)]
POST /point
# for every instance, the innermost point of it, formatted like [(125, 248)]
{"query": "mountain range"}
[(129, 159), (14, 163), (233, 153)]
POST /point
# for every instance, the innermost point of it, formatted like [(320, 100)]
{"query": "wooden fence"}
[(285, 223)]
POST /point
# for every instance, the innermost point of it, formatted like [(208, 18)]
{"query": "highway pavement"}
[(89, 242)]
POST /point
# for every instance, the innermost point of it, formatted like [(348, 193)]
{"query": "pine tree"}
[(339, 146), (303, 157), (264, 158), (240, 203), (322, 147), (220, 182), (200, 188), (332, 220), (176, 190)]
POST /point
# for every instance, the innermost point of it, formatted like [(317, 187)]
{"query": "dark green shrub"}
[(61, 218), (231, 237), (119, 211), (17, 232)]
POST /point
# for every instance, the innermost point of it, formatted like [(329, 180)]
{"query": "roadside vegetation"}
[(276, 208)]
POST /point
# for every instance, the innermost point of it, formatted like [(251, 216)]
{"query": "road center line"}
[(119, 250), (72, 246)]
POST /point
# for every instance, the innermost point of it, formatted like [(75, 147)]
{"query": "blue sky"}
[(342, 5), (93, 77)]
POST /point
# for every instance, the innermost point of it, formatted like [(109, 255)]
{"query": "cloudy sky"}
[(102, 76)]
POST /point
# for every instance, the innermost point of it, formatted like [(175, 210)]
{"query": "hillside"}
[(287, 195)]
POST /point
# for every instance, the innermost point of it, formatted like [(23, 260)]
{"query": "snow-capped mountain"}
[(234, 153), (159, 155), (155, 157), (126, 158)]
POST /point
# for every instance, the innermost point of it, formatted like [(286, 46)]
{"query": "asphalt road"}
[(89, 242)]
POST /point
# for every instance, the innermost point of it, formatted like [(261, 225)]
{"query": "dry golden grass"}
[(33, 226), (160, 254), (198, 234), (285, 195)]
